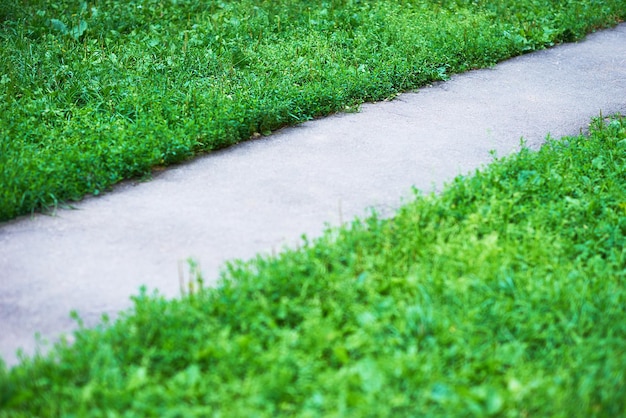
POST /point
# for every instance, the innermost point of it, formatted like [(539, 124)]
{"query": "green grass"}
[(505, 295), (95, 92)]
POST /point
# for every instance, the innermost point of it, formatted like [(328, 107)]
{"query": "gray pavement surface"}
[(263, 194)]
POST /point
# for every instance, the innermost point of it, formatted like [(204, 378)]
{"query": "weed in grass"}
[(194, 283)]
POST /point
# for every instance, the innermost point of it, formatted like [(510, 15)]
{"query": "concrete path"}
[(262, 195)]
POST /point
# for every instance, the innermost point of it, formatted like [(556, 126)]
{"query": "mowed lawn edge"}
[(92, 93), (504, 295)]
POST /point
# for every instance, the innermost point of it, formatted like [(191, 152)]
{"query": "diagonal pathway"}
[(261, 195)]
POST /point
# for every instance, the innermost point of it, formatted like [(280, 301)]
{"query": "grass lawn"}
[(505, 295), (95, 92)]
